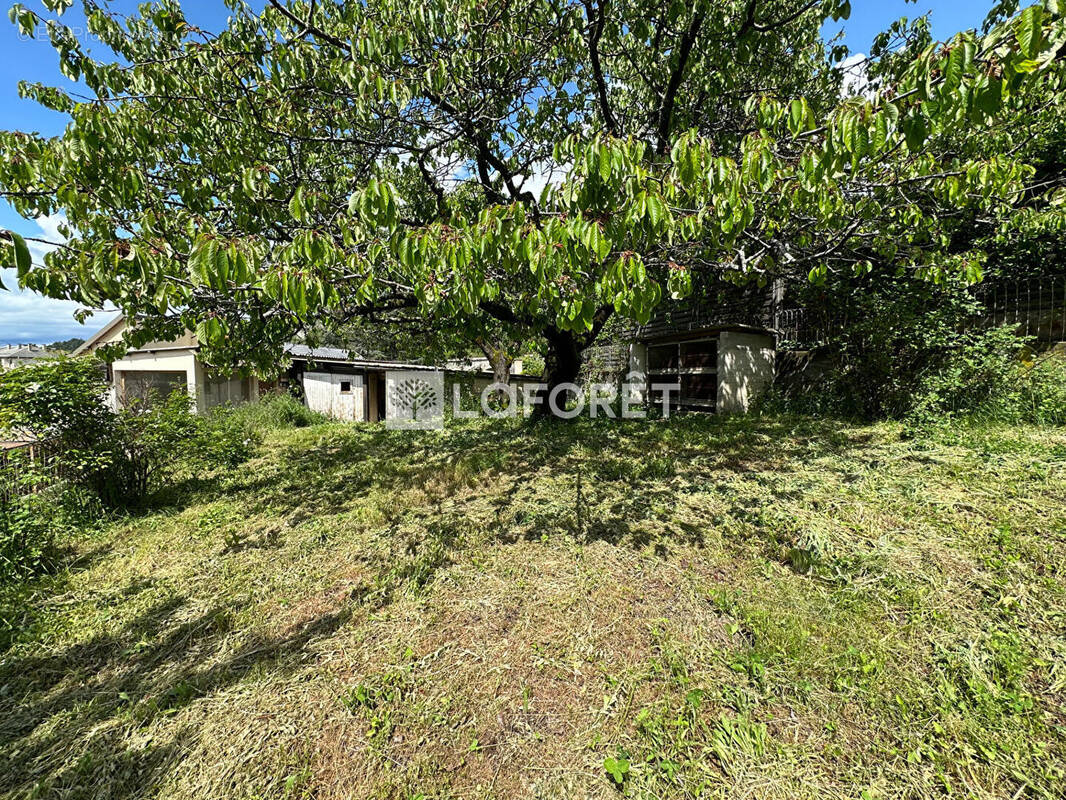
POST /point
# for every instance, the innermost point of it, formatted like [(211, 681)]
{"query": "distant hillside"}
[(67, 345)]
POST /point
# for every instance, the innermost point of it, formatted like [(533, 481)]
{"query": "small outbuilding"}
[(717, 369), (328, 380)]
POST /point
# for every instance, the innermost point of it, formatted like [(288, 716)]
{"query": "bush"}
[(276, 411), (227, 437), (34, 527), (993, 376), (27, 540), (1043, 396), (62, 400), (895, 332), (119, 457)]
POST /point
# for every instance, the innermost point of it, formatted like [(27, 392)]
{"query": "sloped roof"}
[(28, 351), (90, 343)]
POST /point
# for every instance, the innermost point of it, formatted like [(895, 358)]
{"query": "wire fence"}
[(28, 467), (1035, 307)]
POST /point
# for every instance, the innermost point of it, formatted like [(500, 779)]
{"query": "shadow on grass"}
[(68, 719), (345, 463)]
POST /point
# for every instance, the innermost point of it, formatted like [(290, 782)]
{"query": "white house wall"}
[(181, 360), (745, 369), (638, 373), (229, 391)]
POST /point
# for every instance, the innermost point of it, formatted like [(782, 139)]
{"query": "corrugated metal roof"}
[(337, 355)]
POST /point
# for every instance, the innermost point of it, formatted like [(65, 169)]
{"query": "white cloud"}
[(50, 224), (540, 176), (856, 79), (26, 316), (49, 230)]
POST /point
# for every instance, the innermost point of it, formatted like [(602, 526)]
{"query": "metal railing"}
[(1035, 307), (29, 467)]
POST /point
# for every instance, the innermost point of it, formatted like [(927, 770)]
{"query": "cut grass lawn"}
[(684, 608)]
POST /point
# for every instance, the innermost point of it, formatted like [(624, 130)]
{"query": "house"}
[(329, 380), (17, 355), (162, 367)]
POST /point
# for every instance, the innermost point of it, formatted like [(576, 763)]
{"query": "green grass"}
[(698, 607)]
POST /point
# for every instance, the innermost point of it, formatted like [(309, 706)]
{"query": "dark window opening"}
[(346, 387), (699, 356), (662, 358), (690, 369)]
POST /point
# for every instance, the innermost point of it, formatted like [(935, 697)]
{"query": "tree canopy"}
[(543, 164)]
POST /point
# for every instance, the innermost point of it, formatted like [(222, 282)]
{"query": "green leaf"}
[(617, 768), (296, 205), (798, 116), (915, 132), (23, 262), (605, 157), (989, 99), (1030, 33), (953, 66), (880, 133)]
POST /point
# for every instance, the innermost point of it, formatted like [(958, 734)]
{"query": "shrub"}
[(276, 411), (895, 332), (122, 456), (34, 527), (1043, 397), (152, 438), (27, 540), (227, 437), (908, 349), (62, 400), (993, 376)]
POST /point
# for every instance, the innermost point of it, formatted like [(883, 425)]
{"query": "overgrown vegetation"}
[(98, 462), (275, 412), (913, 352), (993, 376), (772, 607)]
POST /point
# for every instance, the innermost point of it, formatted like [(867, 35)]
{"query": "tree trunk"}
[(500, 360), (561, 365)]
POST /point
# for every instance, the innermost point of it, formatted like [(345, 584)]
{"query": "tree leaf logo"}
[(417, 396), (415, 399)]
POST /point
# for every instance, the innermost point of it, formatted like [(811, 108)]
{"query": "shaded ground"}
[(724, 608)]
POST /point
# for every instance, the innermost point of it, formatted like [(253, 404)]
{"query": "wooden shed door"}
[(337, 396), (346, 388)]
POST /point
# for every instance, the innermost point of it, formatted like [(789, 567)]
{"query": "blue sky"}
[(28, 317)]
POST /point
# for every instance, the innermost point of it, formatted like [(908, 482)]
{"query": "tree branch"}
[(595, 31), (667, 109)]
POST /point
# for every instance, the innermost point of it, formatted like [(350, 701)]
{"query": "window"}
[(693, 366), (663, 358), (346, 387), (146, 386)]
